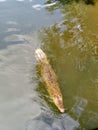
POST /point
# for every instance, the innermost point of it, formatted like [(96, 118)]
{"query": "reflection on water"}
[(79, 107), (51, 122), (16, 85)]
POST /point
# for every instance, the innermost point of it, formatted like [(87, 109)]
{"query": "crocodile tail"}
[(40, 55)]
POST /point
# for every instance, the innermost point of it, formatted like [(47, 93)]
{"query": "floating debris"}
[(39, 6)]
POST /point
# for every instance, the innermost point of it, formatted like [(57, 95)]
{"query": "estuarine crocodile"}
[(50, 79)]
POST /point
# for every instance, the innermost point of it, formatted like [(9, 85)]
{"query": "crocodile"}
[(50, 79)]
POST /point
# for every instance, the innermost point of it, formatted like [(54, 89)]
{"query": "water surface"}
[(68, 34)]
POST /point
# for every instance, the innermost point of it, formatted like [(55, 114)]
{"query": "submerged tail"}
[(40, 55)]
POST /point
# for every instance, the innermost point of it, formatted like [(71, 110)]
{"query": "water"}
[(68, 34)]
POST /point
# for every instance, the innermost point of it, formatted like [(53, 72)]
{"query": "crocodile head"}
[(41, 56)]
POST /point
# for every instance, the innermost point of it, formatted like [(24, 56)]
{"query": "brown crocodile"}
[(50, 79)]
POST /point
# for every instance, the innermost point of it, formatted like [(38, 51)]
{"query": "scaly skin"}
[(50, 79)]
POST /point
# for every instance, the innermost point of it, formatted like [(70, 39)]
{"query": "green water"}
[(72, 48)]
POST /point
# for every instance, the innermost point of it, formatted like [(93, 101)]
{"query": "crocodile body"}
[(50, 79)]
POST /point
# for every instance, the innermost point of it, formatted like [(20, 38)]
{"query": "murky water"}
[(68, 33)]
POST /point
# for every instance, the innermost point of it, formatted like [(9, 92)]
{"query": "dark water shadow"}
[(92, 2), (62, 3)]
